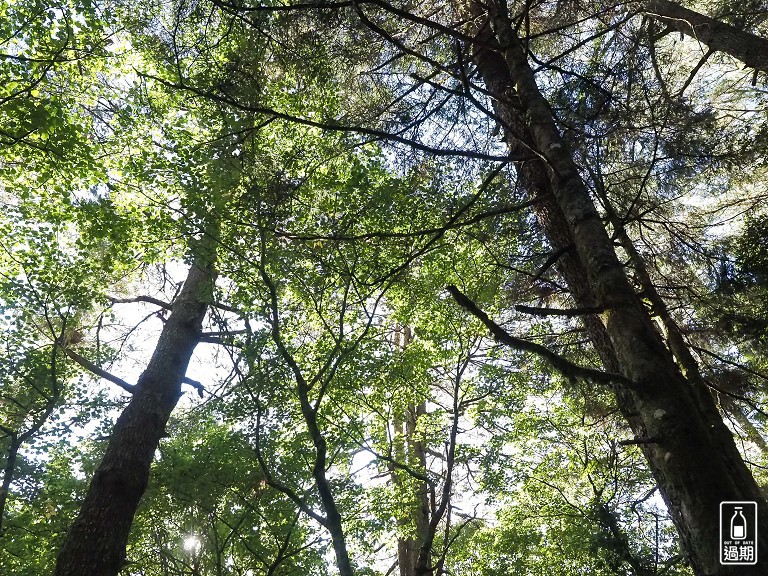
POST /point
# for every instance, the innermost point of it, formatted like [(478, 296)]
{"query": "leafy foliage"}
[(349, 156)]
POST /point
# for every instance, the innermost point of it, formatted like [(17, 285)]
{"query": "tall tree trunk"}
[(418, 460), (690, 451), (405, 553), (533, 178), (96, 542), (410, 451), (674, 336), (750, 49)]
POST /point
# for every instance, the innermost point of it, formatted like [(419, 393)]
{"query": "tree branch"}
[(148, 299), (195, 384), (330, 124), (535, 310), (562, 365), (91, 367)]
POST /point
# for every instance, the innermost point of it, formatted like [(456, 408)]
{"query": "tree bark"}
[(693, 456), (750, 49), (8, 470), (96, 542), (533, 178)]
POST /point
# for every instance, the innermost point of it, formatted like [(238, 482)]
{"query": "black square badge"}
[(738, 533)]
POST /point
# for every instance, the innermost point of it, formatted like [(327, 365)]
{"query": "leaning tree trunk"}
[(533, 178), (690, 451), (750, 49), (96, 542)]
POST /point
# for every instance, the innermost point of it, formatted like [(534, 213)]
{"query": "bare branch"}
[(195, 384), (147, 299), (561, 364), (100, 372)]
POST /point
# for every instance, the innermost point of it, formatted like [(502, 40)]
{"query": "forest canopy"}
[(360, 287)]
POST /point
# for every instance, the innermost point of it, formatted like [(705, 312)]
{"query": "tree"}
[(667, 419), (96, 541)]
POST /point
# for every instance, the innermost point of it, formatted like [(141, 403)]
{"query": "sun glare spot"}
[(192, 543)]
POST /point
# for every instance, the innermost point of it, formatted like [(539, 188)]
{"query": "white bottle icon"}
[(738, 525)]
